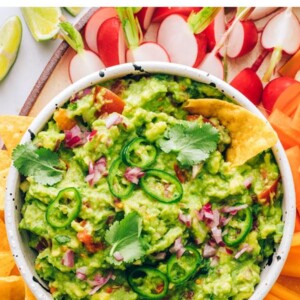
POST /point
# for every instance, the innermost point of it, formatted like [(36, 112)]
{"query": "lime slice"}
[(42, 21), (73, 11), (10, 39)]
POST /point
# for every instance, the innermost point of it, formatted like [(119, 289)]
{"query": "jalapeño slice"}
[(161, 186), (183, 268), (238, 227), (64, 208), (138, 153), (149, 283), (119, 186)]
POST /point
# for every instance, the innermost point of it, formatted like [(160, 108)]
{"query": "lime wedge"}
[(10, 39), (73, 11), (42, 21)]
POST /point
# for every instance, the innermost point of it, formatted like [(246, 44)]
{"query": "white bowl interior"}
[(24, 256)]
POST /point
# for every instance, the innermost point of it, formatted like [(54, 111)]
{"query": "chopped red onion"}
[(91, 135), (224, 221), (160, 256), (75, 137), (208, 251), (98, 282), (248, 182), (118, 256), (233, 209), (217, 235), (185, 219), (134, 174), (113, 119), (214, 261), (68, 259), (81, 273), (216, 217), (177, 248), (229, 251), (80, 94), (96, 171), (246, 248)]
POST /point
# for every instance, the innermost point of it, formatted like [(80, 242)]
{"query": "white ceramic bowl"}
[(24, 256)]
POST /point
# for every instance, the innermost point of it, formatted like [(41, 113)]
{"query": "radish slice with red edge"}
[(144, 16), (147, 51), (212, 64), (94, 23), (182, 45), (242, 39), (84, 62), (111, 42), (261, 12), (282, 33), (162, 12)]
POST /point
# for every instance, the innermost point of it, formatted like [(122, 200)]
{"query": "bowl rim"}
[(12, 211)]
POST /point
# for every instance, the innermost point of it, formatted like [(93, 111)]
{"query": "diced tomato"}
[(87, 240), (265, 196), (63, 121), (192, 117), (181, 175), (53, 289), (112, 102)]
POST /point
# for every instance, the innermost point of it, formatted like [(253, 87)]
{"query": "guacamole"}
[(136, 200)]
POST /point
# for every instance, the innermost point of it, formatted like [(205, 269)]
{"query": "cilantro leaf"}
[(39, 163), (124, 237), (191, 142)]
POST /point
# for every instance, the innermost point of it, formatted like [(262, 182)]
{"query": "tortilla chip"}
[(5, 159), (3, 176), (12, 129), (28, 294), (250, 135), (7, 263), (12, 288), (4, 245)]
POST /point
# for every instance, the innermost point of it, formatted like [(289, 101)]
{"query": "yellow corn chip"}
[(12, 288), (5, 159), (7, 263), (28, 294), (4, 245), (3, 176), (249, 134), (12, 128)]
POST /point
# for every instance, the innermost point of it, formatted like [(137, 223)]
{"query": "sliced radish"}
[(212, 64), (94, 23), (144, 16), (111, 42), (84, 63), (282, 33), (215, 30), (162, 12), (182, 45), (146, 52), (151, 33), (261, 12), (242, 39)]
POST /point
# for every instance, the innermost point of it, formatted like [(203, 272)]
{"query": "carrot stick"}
[(295, 251), (272, 297), (282, 292), (297, 225), (291, 67), (293, 155), (296, 239)]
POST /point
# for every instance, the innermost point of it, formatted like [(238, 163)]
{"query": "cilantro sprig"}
[(124, 237), (192, 143), (40, 163)]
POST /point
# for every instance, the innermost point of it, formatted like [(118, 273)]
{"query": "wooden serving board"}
[(55, 78)]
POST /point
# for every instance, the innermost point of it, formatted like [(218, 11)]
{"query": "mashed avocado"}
[(147, 206)]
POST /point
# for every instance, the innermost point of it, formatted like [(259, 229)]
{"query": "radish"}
[(248, 82), (111, 42), (84, 61), (215, 30), (162, 12), (137, 51), (242, 39), (144, 16), (94, 23), (261, 12), (183, 37), (273, 90), (282, 33), (151, 33)]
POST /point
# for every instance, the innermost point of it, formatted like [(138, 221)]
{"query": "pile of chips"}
[(12, 285)]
